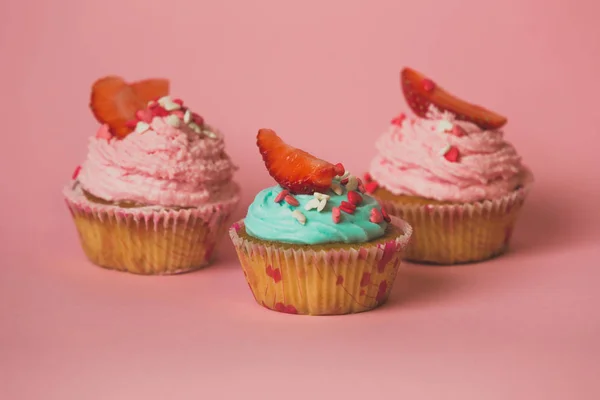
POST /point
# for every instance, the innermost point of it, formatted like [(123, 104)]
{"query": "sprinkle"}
[(321, 196), (281, 196), (144, 115), (187, 117), (385, 215), (336, 215), (371, 187), (171, 106), (398, 120), (291, 200), (299, 216), (210, 134), (361, 186), (428, 85), (131, 123), (178, 101), (159, 112), (337, 189), (344, 181), (322, 205), (164, 100), (152, 104), (368, 177), (452, 154), (197, 119), (195, 127), (458, 131), (376, 216), (352, 183), (312, 204), (339, 169), (141, 127), (173, 120), (76, 172), (347, 207), (354, 198)]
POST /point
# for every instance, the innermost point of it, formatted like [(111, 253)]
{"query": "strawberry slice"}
[(114, 102), (294, 169), (420, 92), (151, 89)]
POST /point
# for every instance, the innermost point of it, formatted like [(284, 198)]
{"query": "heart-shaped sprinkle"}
[(336, 215), (371, 187), (376, 216), (385, 215), (452, 154), (347, 207), (354, 198)]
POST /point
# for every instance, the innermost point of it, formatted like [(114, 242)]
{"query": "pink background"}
[(325, 75)]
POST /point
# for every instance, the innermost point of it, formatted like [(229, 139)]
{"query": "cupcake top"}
[(153, 150), (315, 202), (452, 151)]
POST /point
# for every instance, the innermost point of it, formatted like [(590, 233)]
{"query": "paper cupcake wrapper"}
[(148, 240), (352, 279), (459, 233)]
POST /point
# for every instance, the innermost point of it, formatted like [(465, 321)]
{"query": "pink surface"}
[(325, 75)]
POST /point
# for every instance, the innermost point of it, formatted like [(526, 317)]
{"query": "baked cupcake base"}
[(327, 279), (452, 233), (148, 240)]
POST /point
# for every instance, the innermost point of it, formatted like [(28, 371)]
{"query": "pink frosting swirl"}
[(411, 161), (163, 166)]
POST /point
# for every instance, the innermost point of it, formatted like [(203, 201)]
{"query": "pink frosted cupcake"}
[(155, 192), (451, 174)]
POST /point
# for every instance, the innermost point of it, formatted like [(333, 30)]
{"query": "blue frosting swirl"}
[(268, 220)]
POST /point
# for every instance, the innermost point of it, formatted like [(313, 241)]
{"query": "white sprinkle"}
[(445, 150), (187, 117), (321, 196), (141, 127), (322, 205), (195, 127), (210, 134), (299, 216), (171, 106), (164, 100), (173, 120), (337, 189), (352, 183), (444, 126), (312, 203)]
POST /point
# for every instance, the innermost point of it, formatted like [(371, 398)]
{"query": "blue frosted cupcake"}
[(316, 243)]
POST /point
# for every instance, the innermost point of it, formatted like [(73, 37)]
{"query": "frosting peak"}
[(171, 159), (445, 159)]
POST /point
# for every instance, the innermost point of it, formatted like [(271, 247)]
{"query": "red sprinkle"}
[(159, 111), (336, 215), (376, 216), (452, 154), (354, 198), (291, 200), (197, 119), (339, 169), (428, 85), (281, 196), (178, 101), (398, 120), (458, 131), (371, 187), (76, 172), (368, 177), (344, 181), (385, 215), (347, 207), (131, 124), (144, 115), (361, 186)]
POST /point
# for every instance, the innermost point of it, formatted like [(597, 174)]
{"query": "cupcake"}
[(315, 243), (451, 174), (155, 192)]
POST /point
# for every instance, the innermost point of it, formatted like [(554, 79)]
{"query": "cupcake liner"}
[(148, 240), (459, 233), (340, 280)]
